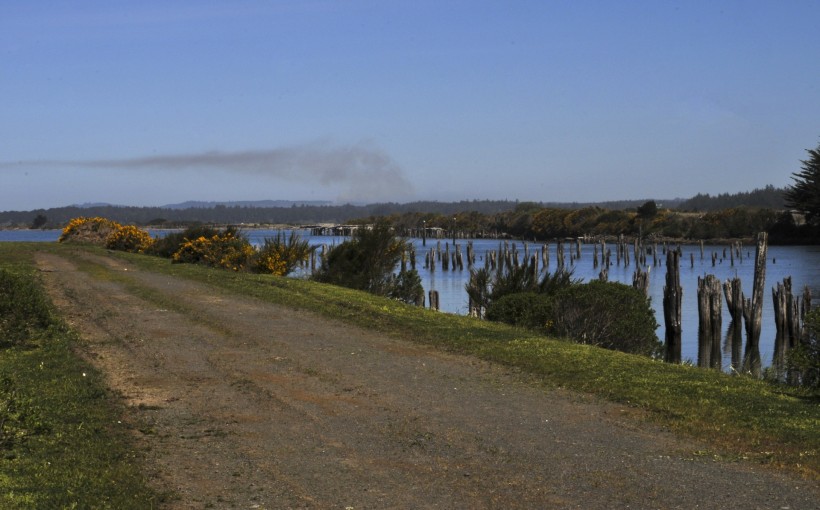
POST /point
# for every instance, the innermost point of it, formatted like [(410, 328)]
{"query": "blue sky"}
[(153, 102)]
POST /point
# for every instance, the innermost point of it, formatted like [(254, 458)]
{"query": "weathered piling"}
[(709, 324), (434, 304), (781, 297), (672, 299), (753, 309), (640, 280), (733, 292), (595, 256), (560, 255)]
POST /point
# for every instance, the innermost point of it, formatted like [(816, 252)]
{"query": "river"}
[(802, 263)]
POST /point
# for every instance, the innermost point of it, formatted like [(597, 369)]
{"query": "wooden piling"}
[(753, 309), (434, 304), (640, 280), (709, 323), (733, 292), (672, 299)]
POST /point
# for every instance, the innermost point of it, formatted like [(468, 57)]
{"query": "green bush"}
[(804, 361), (406, 286), (525, 309), (607, 314)]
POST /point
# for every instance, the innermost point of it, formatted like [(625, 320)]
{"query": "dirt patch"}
[(244, 404)]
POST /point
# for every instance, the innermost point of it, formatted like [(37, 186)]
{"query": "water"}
[(802, 263)]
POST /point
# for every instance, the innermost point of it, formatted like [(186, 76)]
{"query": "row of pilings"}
[(744, 312)]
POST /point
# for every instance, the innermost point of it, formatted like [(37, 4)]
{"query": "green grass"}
[(62, 443), (736, 417)]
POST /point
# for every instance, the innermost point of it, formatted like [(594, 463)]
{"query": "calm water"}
[(802, 263)]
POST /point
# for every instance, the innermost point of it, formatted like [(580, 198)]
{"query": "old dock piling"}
[(672, 299)]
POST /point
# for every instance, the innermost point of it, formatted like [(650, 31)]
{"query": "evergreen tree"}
[(804, 194)]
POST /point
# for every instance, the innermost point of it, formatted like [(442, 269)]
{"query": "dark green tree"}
[(367, 261), (648, 209), (39, 221), (804, 194)]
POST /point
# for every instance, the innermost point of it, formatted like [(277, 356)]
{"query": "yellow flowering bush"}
[(89, 230), (280, 256), (129, 238), (227, 249)]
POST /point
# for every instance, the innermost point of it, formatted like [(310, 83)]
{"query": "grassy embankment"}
[(735, 417), (61, 442)]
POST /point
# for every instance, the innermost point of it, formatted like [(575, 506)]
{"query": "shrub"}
[(228, 250), (804, 360), (280, 256), (525, 309), (406, 286), (367, 261), (129, 238), (88, 230), (171, 243), (607, 314)]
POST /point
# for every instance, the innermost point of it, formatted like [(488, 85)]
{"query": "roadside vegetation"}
[(737, 417), (62, 444), (224, 248), (367, 261)]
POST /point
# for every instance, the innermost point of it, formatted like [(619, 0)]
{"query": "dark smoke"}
[(363, 172)]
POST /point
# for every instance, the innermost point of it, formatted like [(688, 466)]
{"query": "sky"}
[(155, 102)]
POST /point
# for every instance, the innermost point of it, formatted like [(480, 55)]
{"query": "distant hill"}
[(768, 197), (193, 204), (305, 212)]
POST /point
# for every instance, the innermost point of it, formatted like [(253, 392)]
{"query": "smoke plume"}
[(361, 172)]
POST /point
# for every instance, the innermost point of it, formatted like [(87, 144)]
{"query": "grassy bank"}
[(61, 439), (735, 417)]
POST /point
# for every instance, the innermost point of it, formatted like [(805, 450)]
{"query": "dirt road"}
[(243, 404)]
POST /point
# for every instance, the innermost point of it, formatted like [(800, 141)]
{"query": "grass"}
[(61, 438), (736, 417)]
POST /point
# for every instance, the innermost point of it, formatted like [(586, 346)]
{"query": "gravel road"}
[(238, 403)]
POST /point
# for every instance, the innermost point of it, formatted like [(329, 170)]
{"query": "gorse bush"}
[(228, 249), (88, 230), (171, 243), (107, 233), (280, 256), (129, 238)]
